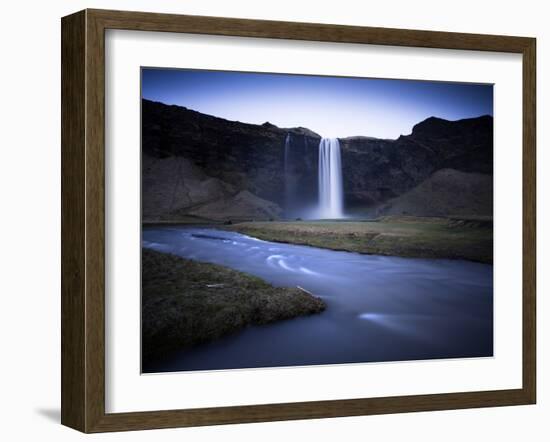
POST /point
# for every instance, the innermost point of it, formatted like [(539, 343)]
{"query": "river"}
[(379, 308)]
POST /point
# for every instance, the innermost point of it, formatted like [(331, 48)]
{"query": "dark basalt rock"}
[(446, 192), (249, 157), (377, 170), (245, 156)]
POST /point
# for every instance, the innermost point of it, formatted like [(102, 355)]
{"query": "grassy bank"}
[(183, 219), (454, 238), (187, 302)]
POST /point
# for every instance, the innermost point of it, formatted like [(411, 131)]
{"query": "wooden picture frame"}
[(83, 220)]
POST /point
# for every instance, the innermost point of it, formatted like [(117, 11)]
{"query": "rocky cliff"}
[(378, 170), (203, 165), (446, 192)]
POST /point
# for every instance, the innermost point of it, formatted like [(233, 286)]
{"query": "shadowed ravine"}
[(378, 308)]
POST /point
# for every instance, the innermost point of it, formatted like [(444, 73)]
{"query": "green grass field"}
[(186, 302), (454, 237)]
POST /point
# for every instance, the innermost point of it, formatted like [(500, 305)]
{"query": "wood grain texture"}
[(529, 220), (95, 222), (144, 21), (73, 258), (83, 220)]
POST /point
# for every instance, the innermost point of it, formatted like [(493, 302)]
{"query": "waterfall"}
[(287, 175), (330, 179), (287, 153)]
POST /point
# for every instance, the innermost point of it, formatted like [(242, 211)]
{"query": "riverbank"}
[(187, 302), (378, 308), (414, 237), (180, 220)]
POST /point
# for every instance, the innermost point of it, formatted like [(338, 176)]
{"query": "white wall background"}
[(30, 221)]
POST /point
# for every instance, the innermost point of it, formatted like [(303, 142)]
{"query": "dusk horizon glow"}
[(330, 106)]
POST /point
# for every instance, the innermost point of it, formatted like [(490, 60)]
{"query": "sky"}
[(331, 106)]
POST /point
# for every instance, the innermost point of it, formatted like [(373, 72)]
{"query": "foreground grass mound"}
[(416, 237), (186, 302)]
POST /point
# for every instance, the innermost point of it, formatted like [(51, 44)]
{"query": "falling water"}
[(288, 185), (287, 153), (330, 179)]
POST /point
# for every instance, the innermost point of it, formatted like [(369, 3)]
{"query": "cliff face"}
[(446, 192), (195, 163), (244, 156), (377, 170)]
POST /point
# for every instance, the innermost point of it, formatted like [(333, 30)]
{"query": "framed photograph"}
[(269, 220)]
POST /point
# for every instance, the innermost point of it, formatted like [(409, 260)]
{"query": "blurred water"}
[(378, 308), (331, 193)]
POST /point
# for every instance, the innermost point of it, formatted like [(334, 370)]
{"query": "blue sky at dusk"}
[(330, 106)]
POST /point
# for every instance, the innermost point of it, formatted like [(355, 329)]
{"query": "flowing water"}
[(289, 188), (378, 308), (331, 195)]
